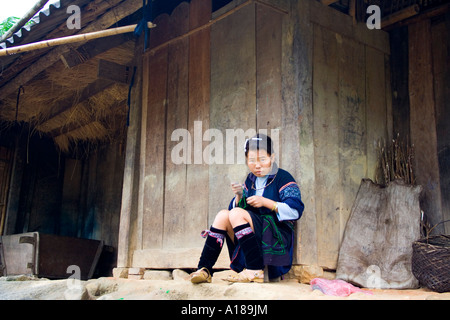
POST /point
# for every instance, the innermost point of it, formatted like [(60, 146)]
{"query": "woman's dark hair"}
[(259, 142)]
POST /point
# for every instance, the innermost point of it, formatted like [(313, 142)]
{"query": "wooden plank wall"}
[(176, 95), (422, 116), (351, 111), (440, 31), (430, 117), (206, 79), (91, 196), (233, 94), (268, 64)]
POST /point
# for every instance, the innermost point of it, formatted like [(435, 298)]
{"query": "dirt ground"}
[(178, 287)]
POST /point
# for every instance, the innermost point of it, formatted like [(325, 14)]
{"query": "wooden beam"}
[(400, 15), (130, 185), (113, 71), (93, 48), (352, 10), (327, 2), (424, 15)]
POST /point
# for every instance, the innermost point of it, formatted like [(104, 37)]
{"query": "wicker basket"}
[(431, 262)]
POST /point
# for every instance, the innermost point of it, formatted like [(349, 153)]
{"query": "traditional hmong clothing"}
[(271, 243), (275, 231)]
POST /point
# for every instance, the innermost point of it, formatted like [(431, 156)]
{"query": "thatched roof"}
[(59, 91), (62, 92)]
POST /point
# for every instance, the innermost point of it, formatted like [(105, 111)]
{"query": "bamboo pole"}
[(70, 39)]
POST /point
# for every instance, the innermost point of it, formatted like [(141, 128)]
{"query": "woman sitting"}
[(259, 223)]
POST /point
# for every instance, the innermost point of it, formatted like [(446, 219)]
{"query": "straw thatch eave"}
[(72, 103)]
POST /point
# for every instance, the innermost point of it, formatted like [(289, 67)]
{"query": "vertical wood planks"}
[(441, 71), (350, 112), (175, 205), (326, 143), (268, 68), (352, 122), (423, 117), (153, 144), (197, 180), (258, 68), (268, 74), (376, 108), (297, 125)]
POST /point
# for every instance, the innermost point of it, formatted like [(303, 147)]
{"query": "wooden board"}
[(130, 188), (197, 179), (161, 33), (352, 122), (199, 13), (441, 71), (326, 142), (233, 96), (376, 108), (423, 118), (268, 68), (153, 149), (350, 114), (175, 205), (399, 68), (298, 144)]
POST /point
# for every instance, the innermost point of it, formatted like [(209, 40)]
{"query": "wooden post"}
[(130, 183), (297, 121), (422, 117)]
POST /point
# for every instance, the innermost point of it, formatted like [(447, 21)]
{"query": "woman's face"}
[(259, 162)]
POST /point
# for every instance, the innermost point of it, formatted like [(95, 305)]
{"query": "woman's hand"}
[(238, 191), (237, 188), (257, 201)]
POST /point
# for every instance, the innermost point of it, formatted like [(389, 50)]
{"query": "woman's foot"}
[(200, 276), (247, 276)]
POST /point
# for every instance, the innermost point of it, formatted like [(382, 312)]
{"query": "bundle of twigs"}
[(395, 161)]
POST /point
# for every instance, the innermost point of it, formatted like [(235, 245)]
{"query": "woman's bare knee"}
[(238, 216), (222, 221)]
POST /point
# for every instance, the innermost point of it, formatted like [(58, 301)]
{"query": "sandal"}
[(200, 276), (246, 276)]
